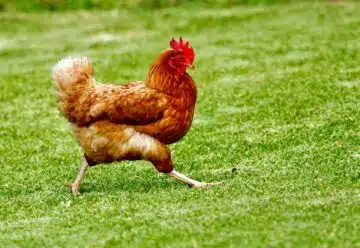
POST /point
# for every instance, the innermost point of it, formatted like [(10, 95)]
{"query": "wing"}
[(134, 104)]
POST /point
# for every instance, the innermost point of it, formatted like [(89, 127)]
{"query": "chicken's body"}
[(126, 122)]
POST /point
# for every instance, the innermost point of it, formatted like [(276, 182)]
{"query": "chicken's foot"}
[(75, 186), (191, 182)]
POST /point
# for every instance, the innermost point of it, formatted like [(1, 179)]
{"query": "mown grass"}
[(278, 101), (61, 5)]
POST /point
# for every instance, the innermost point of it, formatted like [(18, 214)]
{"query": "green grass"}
[(278, 100), (56, 5)]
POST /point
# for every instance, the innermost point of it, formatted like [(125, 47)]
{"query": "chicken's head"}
[(182, 56)]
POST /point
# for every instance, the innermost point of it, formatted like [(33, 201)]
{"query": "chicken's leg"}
[(189, 181), (161, 159), (75, 186)]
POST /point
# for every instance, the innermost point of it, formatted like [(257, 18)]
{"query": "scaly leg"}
[(161, 159), (191, 182), (160, 156), (75, 186)]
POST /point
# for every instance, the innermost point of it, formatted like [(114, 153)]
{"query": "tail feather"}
[(71, 73), (72, 77)]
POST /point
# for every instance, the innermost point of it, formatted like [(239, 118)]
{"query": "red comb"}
[(184, 47)]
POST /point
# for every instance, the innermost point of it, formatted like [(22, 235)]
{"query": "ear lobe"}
[(171, 63), (174, 65)]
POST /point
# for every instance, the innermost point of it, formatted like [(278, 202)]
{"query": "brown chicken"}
[(132, 121)]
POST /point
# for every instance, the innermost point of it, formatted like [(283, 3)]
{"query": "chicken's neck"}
[(162, 79)]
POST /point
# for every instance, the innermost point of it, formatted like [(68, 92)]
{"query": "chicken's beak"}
[(191, 67)]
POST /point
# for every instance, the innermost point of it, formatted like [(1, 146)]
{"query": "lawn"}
[(279, 91)]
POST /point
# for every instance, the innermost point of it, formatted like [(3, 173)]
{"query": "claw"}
[(191, 182), (204, 185), (74, 187)]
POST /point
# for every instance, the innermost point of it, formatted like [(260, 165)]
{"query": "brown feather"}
[(131, 121)]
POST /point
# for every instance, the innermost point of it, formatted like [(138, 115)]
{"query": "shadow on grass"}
[(141, 185), (129, 185)]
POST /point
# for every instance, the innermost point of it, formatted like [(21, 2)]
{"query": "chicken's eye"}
[(179, 58)]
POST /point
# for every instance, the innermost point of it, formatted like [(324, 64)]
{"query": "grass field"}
[(279, 91)]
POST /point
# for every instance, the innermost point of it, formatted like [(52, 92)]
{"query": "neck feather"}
[(162, 79)]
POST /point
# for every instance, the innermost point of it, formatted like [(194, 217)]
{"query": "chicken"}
[(132, 121)]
